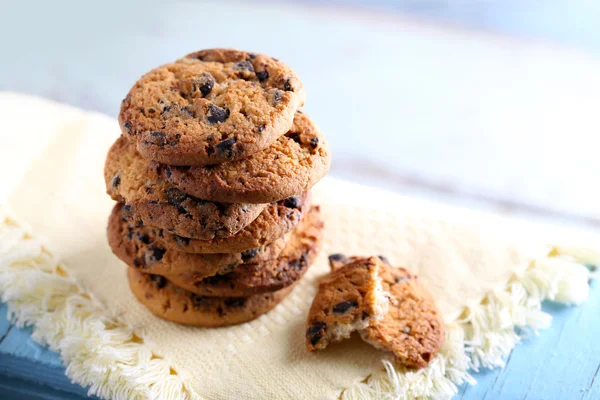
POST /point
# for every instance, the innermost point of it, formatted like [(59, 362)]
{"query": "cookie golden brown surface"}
[(292, 164), (142, 248), (211, 106), (348, 299), (172, 303), (411, 328), (268, 276), (154, 201), (274, 222)]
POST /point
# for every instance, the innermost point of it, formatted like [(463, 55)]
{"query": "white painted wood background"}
[(467, 118)]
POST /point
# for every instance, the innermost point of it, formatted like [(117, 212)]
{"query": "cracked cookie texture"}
[(211, 106), (142, 247), (293, 163), (151, 200), (175, 304)]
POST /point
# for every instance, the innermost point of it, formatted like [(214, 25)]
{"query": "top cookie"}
[(293, 164), (211, 106)]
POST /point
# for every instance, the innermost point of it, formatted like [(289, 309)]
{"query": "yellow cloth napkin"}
[(63, 278)]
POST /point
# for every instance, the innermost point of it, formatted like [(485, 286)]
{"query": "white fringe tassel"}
[(100, 352), (486, 334)]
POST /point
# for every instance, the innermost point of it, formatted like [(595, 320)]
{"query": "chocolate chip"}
[(365, 315), (229, 267), (315, 332), (116, 180), (204, 83), (151, 110), (260, 128), (175, 198), (159, 281), (292, 202), (127, 125), (276, 96), (344, 306), (226, 147), (168, 172), (299, 263), (336, 257), (243, 66), (126, 211), (181, 241), (139, 223), (314, 142), (262, 75), (129, 234), (235, 302), (154, 255), (287, 85), (157, 138), (197, 300), (149, 190), (248, 254), (177, 110), (216, 114), (137, 263), (294, 136), (252, 56), (143, 237)]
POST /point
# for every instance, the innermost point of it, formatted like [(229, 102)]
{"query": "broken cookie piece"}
[(412, 329), (349, 299)]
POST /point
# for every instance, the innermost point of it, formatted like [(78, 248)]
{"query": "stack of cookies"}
[(212, 175)]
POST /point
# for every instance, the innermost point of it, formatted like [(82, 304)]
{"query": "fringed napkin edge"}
[(104, 354), (486, 333)]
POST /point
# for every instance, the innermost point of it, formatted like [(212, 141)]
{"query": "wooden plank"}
[(5, 325), (18, 343), (560, 363), (17, 389)]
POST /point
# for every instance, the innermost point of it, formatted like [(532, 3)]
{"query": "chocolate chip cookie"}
[(211, 106), (172, 303), (141, 247), (413, 328), (268, 276), (151, 199), (272, 224), (294, 163), (349, 299)]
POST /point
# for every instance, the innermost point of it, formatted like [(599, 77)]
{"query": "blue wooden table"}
[(562, 363)]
